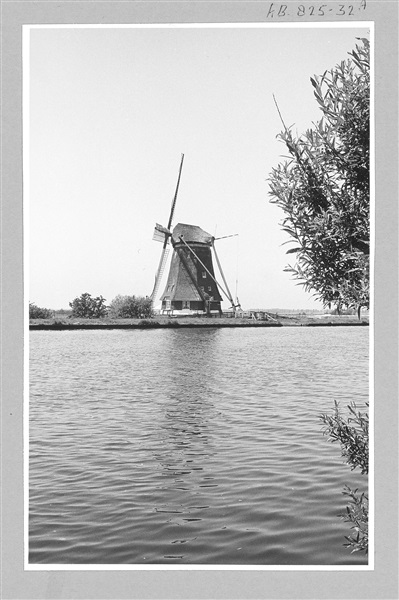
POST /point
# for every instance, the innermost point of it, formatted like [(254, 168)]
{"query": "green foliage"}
[(130, 307), (35, 312), (146, 323), (323, 188), (87, 307), (357, 513), (353, 434)]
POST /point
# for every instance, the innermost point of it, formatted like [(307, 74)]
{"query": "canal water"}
[(191, 447)]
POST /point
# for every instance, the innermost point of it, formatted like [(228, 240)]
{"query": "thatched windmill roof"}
[(191, 234)]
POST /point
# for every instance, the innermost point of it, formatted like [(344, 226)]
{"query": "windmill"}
[(191, 286)]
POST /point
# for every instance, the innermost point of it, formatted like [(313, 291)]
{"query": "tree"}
[(88, 308), (353, 435), (127, 307), (323, 188), (35, 312)]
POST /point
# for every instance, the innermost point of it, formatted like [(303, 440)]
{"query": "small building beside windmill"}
[(191, 286)]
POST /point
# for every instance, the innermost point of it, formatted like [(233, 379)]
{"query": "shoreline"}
[(193, 323)]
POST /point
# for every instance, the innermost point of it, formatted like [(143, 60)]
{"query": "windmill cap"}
[(191, 233)]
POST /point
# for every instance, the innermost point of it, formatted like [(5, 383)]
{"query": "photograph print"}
[(197, 250)]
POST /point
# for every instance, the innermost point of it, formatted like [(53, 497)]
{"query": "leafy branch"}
[(323, 187), (353, 435)]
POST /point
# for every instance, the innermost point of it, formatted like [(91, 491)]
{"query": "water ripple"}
[(206, 441)]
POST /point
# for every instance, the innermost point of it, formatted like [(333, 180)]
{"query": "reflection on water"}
[(190, 446), (185, 430)]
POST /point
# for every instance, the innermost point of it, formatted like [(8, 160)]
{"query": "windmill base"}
[(189, 313), (190, 307)]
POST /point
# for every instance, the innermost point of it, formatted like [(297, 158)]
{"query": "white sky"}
[(110, 112)]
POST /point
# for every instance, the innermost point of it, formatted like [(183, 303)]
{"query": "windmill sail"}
[(162, 234), (160, 270), (175, 196)]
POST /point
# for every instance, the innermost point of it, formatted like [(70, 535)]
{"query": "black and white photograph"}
[(199, 286), (199, 292)]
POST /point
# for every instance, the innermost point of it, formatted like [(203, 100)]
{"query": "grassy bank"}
[(195, 322)]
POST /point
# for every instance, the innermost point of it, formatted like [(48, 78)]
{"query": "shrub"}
[(353, 435), (131, 307), (89, 308), (35, 312), (146, 323), (357, 513), (323, 187)]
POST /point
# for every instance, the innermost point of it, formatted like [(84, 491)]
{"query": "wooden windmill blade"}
[(163, 234), (175, 196), (159, 273)]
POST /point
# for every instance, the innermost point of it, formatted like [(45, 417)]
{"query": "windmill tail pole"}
[(230, 297)]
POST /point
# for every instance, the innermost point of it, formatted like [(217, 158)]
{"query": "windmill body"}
[(191, 286)]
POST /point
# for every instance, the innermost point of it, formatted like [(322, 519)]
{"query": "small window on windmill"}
[(202, 288), (209, 288), (203, 274)]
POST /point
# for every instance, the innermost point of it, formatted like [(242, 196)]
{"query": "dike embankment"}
[(193, 323)]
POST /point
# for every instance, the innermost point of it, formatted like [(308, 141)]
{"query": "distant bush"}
[(62, 313), (131, 307), (353, 435), (148, 323), (337, 311), (87, 307), (35, 312), (173, 323)]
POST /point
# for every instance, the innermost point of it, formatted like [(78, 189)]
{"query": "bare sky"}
[(110, 112)]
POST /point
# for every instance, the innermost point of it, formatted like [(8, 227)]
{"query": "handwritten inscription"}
[(330, 9)]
